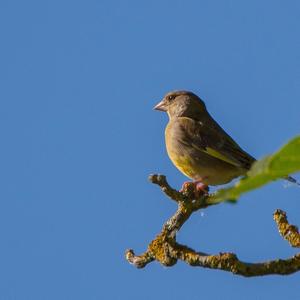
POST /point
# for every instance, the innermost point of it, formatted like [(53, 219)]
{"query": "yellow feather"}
[(216, 154), (220, 156)]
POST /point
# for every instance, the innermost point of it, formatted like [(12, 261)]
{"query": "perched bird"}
[(198, 146)]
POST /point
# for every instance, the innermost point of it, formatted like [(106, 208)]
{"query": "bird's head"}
[(181, 104)]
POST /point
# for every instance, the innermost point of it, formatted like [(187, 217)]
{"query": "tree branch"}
[(287, 231), (167, 251)]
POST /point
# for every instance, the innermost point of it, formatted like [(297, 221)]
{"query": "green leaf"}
[(276, 166)]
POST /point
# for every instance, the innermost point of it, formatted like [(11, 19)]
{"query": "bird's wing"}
[(209, 137)]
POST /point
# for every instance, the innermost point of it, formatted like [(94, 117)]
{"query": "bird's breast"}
[(178, 152)]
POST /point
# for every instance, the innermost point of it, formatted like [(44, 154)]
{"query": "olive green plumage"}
[(197, 145)]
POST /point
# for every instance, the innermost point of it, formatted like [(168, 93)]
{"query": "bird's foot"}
[(187, 186), (202, 187), (197, 188)]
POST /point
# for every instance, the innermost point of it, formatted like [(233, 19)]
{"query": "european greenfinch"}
[(197, 145)]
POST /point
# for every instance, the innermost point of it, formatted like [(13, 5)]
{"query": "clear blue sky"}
[(79, 138)]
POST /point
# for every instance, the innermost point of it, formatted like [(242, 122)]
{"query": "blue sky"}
[(79, 138)]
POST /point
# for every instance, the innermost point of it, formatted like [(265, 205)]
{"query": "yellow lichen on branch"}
[(287, 231)]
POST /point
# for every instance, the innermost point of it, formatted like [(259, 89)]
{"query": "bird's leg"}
[(201, 187)]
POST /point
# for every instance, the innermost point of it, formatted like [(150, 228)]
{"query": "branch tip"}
[(287, 231), (139, 261)]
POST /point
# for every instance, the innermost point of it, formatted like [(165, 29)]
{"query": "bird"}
[(198, 146)]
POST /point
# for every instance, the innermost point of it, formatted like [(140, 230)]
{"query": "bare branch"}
[(167, 251), (230, 262), (138, 261), (161, 181), (187, 195), (287, 231)]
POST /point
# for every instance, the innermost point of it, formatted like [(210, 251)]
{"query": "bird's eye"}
[(171, 97)]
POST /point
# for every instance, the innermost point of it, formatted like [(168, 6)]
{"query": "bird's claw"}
[(196, 188)]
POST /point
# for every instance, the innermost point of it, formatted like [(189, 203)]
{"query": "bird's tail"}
[(292, 180)]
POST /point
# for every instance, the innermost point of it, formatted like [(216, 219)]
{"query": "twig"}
[(287, 231)]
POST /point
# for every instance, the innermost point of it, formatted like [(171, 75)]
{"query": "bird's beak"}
[(160, 106)]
